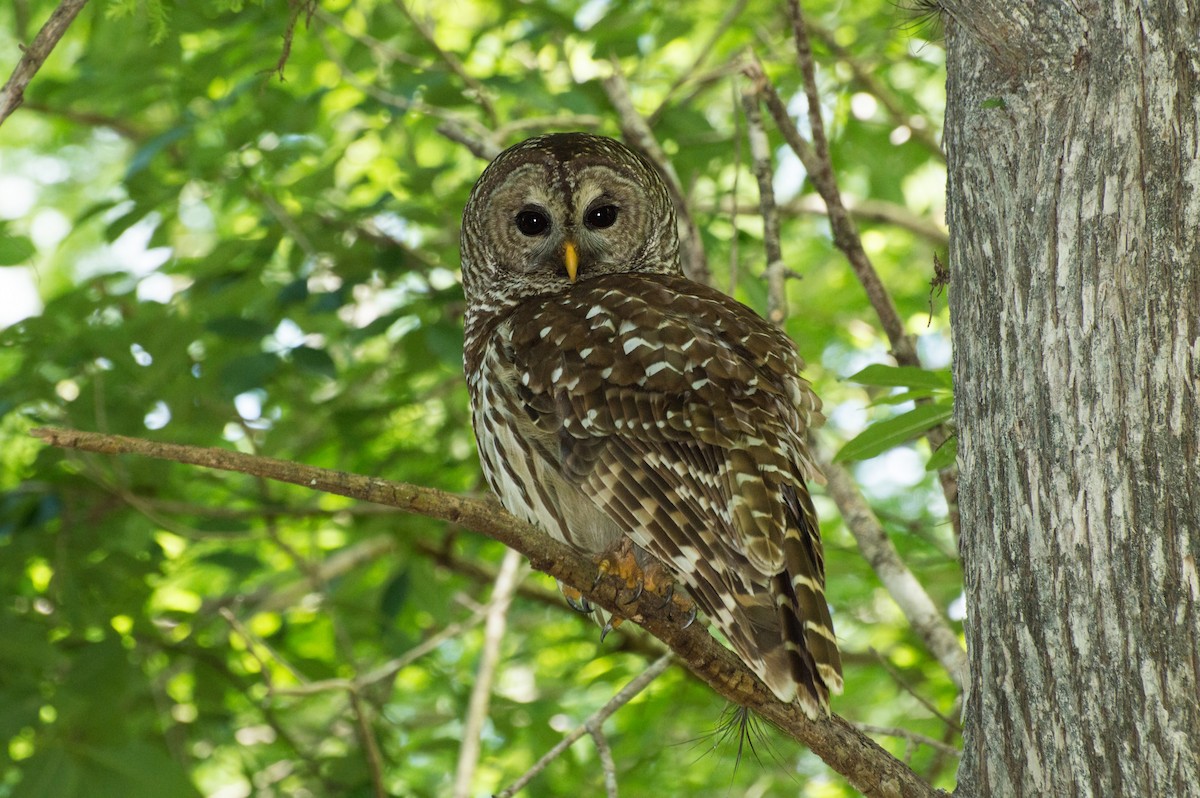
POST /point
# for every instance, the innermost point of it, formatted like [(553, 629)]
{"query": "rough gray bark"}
[(1073, 135)]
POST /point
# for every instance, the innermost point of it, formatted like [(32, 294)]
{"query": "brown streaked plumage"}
[(614, 398)]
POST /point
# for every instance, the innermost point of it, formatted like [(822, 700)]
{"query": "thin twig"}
[(912, 736), (389, 669), (760, 158), (486, 148), (391, 99), (481, 691), (13, 92), (866, 210), (878, 89), (607, 764), (623, 697), (899, 679), (121, 127), (904, 588), (845, 232), (638, 134), (733, 190), (702, 54), (479, 91)]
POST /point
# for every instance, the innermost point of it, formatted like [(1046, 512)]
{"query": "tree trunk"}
[(1073, 134)]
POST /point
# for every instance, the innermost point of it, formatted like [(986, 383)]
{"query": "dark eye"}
[(601, 217), (533, 221)]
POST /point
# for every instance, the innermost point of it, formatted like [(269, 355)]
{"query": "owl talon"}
[(608, 627), (582, 606), (637, 593), (668, 596), (691, 617)]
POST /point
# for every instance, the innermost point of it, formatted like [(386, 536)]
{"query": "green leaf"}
[(884, 435), (15, 250), (902, 397), (395, 594), (237, 327), (903, 377), (247, 372), (314, 361), (944, 456)]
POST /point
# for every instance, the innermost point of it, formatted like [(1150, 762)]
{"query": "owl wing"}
[(681, 415)]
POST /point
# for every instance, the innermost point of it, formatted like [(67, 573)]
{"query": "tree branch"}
[(481, 691), (865, 75), (13, 93), (760, 158), (451, 60), (592, 725), (872, 770), (638, 134)]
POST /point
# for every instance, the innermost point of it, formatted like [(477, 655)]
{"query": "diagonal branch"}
[(638, 134), (817, 161), (872, 770), (845, 231), (452, 61), (13, 92), (592, 726), (908, 593), (481, 692)]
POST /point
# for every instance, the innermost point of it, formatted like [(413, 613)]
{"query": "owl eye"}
[(601, 217), (533, 221)]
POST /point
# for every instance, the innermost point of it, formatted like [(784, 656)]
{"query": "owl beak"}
[(571, 259)]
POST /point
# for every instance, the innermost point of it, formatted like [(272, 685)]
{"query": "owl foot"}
[(619, 560), (656, 579)]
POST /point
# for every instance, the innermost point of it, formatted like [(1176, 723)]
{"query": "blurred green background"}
[(195, 251)]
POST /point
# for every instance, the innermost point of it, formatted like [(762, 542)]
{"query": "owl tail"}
[(790, 645)]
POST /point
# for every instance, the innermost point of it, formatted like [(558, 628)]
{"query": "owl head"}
[(562, 208)]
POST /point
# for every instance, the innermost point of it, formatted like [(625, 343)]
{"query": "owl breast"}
[(518, 458)]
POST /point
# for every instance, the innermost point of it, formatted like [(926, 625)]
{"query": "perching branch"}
[(13, 92), (873, 771)]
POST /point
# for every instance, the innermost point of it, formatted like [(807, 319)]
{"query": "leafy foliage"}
[(223, 258), (931, 388)]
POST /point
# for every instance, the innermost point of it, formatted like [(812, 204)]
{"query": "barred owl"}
[(617, 402)]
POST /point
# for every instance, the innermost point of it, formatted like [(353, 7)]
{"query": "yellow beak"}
[(571, 259)]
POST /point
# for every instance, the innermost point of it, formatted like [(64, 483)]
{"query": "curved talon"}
[(688, 622), (596, 581), (637, 594), (608, 627), (582, 606), (667, 597)]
